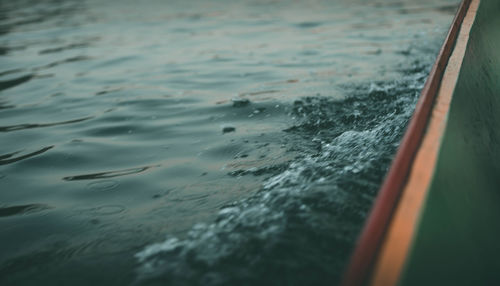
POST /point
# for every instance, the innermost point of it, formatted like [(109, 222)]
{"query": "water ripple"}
[(68, 60), (105, 185), (8, 159), (22, 209), (15, 82), (11, 71), (109, 174), (5, 105), (38, 125), (63, 48)]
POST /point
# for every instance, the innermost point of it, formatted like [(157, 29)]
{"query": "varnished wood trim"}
[(401, 232), (369, 243)]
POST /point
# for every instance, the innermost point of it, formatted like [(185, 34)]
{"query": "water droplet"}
[(227, 129), (240, 102)]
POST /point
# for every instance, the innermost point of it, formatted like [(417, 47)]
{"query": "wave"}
[(300, 227)]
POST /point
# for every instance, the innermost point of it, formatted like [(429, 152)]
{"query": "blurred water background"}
[(200, 142)]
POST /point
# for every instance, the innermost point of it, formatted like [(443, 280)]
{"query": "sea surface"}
[(200, 142)]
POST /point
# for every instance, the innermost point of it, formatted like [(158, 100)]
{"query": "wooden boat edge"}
[(362, 263)]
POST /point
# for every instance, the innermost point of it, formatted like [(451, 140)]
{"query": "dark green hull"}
[(436, 220), (457, 241)]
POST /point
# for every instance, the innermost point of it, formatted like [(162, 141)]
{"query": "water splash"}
[(300, 227)]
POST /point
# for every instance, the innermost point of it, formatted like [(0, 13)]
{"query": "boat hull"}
[(457, 241), (436, 220)]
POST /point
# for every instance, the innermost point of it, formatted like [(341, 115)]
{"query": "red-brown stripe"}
[(374, 231)]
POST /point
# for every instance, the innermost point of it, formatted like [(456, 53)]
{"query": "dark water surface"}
[(200, 142)]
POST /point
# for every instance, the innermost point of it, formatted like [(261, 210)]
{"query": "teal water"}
[(200, 142)]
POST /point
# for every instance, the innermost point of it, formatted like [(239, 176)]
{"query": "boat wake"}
[(299, 229)]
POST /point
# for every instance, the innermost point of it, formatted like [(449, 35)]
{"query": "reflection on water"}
[(253, 134)]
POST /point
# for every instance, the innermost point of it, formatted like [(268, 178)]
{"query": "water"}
[(200, 142)]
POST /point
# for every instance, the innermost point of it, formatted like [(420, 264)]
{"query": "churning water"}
[(200, 142)]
